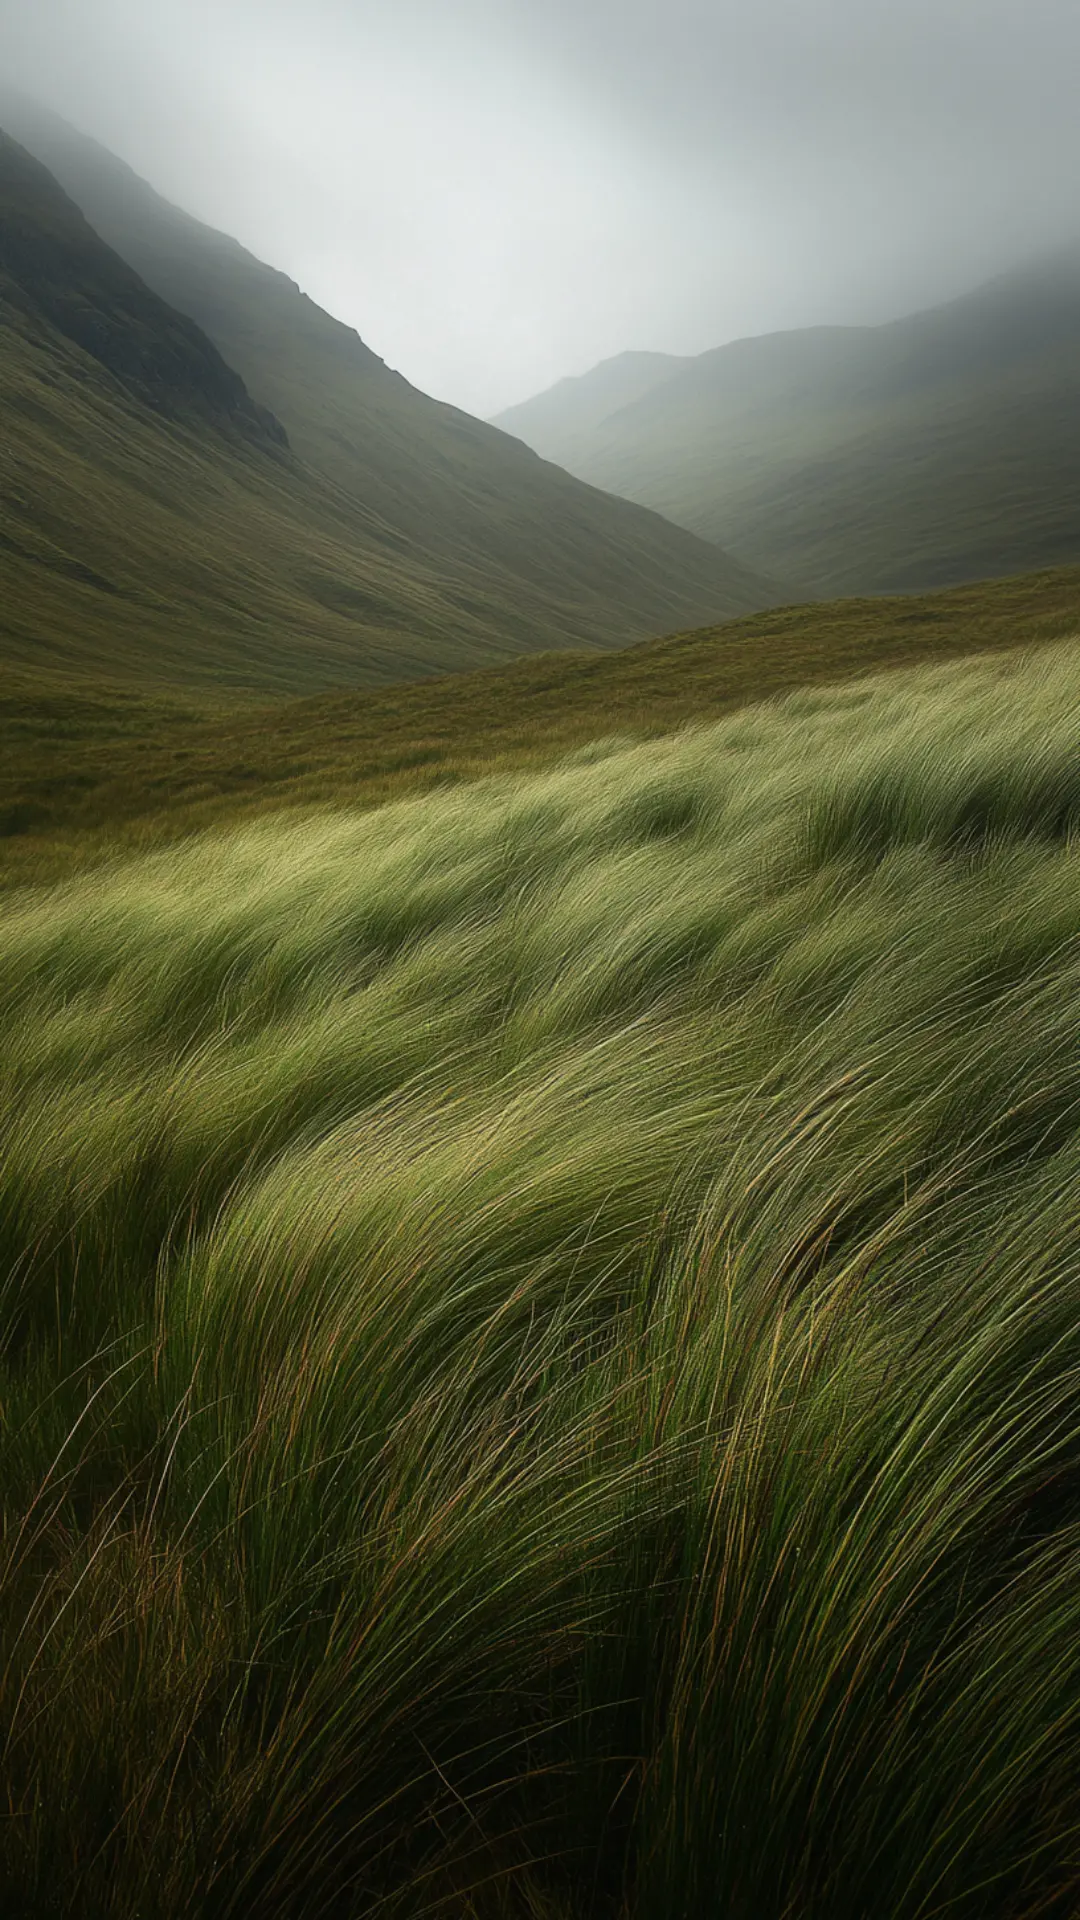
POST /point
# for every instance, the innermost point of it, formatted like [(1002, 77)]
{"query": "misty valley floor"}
[(541, 1336)]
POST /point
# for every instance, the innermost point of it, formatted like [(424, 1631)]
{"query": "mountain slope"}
[(54, 268), (154, 525), (935, 449), (532, 557)]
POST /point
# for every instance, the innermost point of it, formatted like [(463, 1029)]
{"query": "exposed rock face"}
[(54, 266)]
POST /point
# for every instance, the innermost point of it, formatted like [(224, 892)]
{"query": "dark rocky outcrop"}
[(53, 266)]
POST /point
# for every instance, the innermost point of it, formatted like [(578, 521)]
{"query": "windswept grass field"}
[(541, 1339), (88, 769)]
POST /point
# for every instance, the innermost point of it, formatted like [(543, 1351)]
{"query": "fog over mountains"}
[(344, 529), (498, 193), (934, 449), (521, 185)]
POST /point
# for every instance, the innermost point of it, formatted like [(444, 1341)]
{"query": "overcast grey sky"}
[(500, 192)]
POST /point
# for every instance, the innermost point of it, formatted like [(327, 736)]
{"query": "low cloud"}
[(498, 192)]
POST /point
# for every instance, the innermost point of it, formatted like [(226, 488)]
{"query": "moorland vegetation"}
[(541, 1337), (90, 768)]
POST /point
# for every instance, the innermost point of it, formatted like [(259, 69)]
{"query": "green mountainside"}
[(153, 528), (935, 449), (460, 546), (539, 1205)]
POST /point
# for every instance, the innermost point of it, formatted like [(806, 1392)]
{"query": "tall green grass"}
[(542, 1339), (87, 770)]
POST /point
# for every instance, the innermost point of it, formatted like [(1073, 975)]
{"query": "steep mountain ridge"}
[(155, 527), (53, 267), (936, 448), (567, 563)]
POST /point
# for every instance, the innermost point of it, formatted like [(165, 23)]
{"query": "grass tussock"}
[(541, 1339)]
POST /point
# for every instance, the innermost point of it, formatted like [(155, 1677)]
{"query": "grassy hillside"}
[(936, 449), (155, 552), (541, 1339), (87, 767), (522, 555), (153, 526)]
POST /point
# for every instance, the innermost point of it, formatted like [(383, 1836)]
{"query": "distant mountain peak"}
[(923, 451), (583, 401)]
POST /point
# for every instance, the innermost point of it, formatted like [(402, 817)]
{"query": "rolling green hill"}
[(539, 1256), (935, 449), (421, 539), (85, 770)]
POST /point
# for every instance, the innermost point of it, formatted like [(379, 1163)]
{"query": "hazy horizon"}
[(499, 194)]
